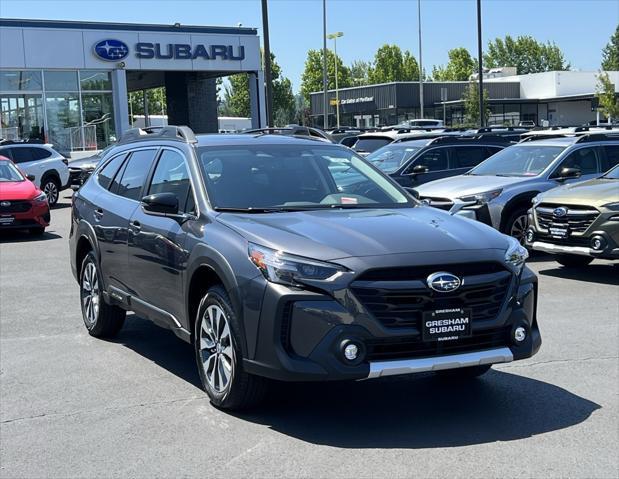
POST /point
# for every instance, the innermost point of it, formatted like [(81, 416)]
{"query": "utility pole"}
[(267, 63), (334, 37), (481, 68), (325, 103), (420, 63)]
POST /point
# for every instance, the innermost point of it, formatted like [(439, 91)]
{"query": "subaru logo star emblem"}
[(560, 212), (111, 50), (5, 203), (443, 282)]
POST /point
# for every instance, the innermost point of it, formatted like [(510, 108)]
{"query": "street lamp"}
[(334, 37), (325, 101), (421, 114)]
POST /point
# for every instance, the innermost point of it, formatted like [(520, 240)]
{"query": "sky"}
[(581, 28)]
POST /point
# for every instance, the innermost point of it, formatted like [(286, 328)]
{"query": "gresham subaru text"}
[(292, 259)]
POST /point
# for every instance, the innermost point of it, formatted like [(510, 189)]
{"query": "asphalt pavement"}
[(75, 406)]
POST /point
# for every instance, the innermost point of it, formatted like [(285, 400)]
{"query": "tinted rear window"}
[(22, 155), (135, 173), (40, 153), (108, 172), (371, 144)]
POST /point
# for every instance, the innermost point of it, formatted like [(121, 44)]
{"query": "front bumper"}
[(78, 176), (300, 337), (37, 216)]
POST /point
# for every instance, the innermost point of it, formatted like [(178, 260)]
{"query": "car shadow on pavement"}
[(593, 273), (418, 411), (422, 411), (24, 236)]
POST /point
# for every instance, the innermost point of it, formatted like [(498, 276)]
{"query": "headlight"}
[(40, 198), (482, 198), (536, 199), (612, 206), (516, 255), (288, 269)]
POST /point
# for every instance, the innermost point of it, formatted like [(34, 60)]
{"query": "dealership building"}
[(549, 98), (67, 83)]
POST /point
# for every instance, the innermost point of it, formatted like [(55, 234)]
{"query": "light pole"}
[(482, 119), (334, 37), (267, 63), (325, 103), (420, 63)]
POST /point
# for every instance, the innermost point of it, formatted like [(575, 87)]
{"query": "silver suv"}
[(48, 167), (499, 190)]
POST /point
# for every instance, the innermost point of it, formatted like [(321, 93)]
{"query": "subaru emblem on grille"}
[(5, 203), (560, 212), (443, 282)]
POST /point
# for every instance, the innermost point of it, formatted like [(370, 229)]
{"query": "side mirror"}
[(161, 204), (419, 169), (569, 173), (413, 192), (31, 177)]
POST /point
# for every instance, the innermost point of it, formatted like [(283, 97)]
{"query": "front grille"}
[(578, 218), (15, 206), (386, 349), (440, 203), (398, 297)]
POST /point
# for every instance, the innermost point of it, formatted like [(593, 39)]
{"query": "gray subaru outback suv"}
[(499, 190)]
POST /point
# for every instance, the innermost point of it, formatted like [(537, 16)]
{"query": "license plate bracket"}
[(6, 220), (448, 324), (559, 231)]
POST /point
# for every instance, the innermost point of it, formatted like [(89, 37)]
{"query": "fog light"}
[(520, 334), (530, 236), (597, 243), (351, 351)]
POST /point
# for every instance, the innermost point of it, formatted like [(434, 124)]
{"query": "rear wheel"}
[(573, 261), (464, 373), (101, 319), (219, 357), (51, 187), (517, 224)]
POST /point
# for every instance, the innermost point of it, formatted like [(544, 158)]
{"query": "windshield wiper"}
[(225, 209)]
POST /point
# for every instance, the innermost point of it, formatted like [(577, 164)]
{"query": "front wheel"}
[(219, 357), (517, 224), (573, 261), (51, 187)]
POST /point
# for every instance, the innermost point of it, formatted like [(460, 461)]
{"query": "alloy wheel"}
[(51, 190), (519, 228), (216, 351), (90, 293)]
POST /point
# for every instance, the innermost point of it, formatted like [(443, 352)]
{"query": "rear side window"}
[(22, 155), (171, 176), (468, 157), (6, 152), (134, 174), (108, 172), (40, 153), (434, 160), (612, 157)]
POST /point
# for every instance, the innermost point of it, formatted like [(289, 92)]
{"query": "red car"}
[(22, 204)]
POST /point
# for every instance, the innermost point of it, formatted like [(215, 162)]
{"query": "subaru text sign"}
[(115, 50), (111, 50)]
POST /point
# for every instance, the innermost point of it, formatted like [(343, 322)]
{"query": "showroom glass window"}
[(21, 105), (62, 105)]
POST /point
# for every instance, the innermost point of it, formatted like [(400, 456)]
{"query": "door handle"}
[(135, 225)]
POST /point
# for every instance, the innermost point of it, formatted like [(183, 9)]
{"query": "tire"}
[(37, 231), (471, 372), (573, 261), (219, 357), (102, 320), (51, 187), (517, 224)]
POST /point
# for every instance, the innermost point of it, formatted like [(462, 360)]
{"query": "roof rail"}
[(455, 139), (598, 137), (181, 133), (546, 137)]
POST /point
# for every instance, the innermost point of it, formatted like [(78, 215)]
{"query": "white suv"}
[(48, 167)]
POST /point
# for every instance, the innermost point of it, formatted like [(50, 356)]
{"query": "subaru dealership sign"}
[(111, 50), (115, 50)]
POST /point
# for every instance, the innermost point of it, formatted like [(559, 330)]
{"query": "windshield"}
[(518, 160), (294, 177), (612, 174), (370, 145), (389, 158), (9, 172)]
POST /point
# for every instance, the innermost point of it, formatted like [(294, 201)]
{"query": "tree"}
[(526, 54), (610, 53), (236, 95), (156, 98), (390, 65), (460, 67), (359, 73), (471, 105), (311, 80), (605, 91)]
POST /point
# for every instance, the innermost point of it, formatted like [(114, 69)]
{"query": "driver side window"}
[(434, 160), (583, 159)]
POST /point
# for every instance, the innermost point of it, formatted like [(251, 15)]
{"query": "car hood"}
[(464, 185), (17, 190), (85, 162), (596, 192), (335, 234)]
